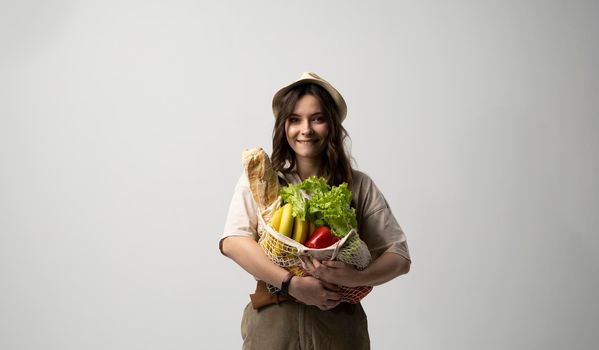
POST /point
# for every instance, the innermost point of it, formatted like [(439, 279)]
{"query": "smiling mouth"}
[(306, 141)]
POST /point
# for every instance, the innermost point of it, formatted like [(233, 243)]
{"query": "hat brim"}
[(311, 78)]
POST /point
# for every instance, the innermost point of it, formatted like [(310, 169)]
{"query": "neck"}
[(307, 167)]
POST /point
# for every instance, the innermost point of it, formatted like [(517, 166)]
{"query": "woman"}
[(308, 139)]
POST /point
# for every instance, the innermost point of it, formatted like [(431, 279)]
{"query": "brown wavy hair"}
[(335, 166)]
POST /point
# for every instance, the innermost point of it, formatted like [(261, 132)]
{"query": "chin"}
[(311, 155)]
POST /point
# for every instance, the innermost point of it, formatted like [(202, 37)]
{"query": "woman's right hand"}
[(312, 291)]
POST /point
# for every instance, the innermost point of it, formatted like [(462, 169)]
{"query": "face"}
[(307, 128)]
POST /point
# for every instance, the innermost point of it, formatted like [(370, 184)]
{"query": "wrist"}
[(293, 285), (361, 278), (284, 290)]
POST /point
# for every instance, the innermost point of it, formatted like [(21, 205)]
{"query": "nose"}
[(306, 127)]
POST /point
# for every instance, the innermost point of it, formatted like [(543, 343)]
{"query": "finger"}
[(331, 304), (334, 296), (333, 264), (312, 266), (331, 286), (315, 262), (307, 264), (303, 263), (303, 259), (327, 305)]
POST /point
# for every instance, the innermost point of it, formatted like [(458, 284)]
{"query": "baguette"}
[(263, 180)]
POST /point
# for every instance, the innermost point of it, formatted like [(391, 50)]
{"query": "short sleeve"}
[(242, 219), (378, 227)]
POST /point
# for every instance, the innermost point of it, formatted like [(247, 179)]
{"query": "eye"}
[(293, 120), (319, 119)]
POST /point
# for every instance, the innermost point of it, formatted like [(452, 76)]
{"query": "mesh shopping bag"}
[(286, 252)]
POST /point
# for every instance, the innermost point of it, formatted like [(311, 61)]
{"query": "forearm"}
[(249, 255), (385, 268)]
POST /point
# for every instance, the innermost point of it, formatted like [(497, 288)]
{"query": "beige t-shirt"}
[(377, 226)]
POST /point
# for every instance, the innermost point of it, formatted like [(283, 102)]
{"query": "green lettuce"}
[(293, 194), (298, 194), (333, 209), (322, 204)]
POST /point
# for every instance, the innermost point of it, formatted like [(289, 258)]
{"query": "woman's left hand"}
[(334, 272)]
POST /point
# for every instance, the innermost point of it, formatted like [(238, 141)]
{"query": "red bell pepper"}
[(322, 237)]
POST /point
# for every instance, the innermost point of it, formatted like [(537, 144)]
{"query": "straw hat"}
[(310, 77)]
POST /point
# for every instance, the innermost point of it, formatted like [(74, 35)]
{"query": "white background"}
[(121, 130)]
